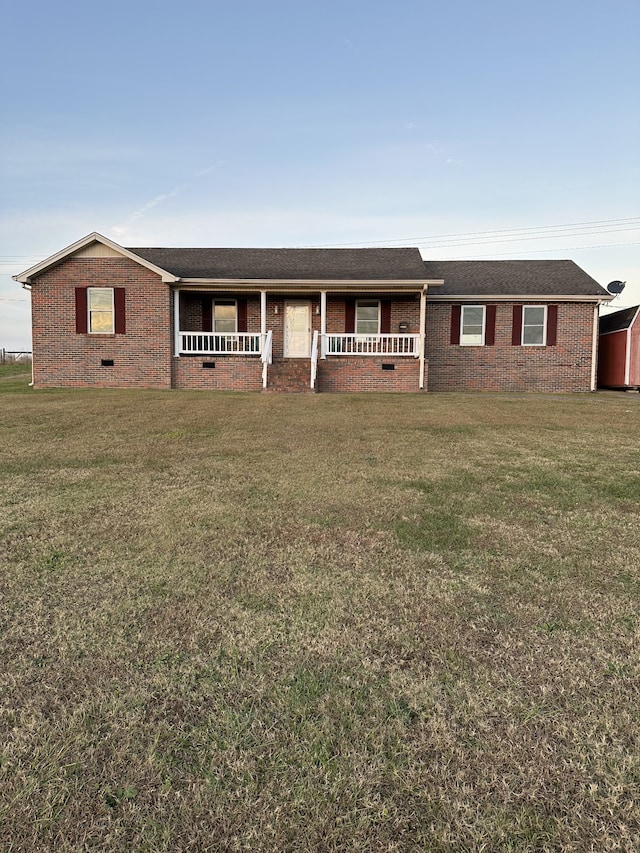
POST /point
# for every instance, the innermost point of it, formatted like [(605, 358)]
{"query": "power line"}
[(537, 251), (608, 223)]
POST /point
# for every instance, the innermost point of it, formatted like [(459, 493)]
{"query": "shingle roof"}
[(290, 264), (618, 320), (512, 278)]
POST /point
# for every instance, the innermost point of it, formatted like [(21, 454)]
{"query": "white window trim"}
[(367, 302), (544, 326), (233, 302), (464, 343), (90, 331)]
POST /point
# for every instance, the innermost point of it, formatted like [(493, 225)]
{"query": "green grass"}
[(368, 622)]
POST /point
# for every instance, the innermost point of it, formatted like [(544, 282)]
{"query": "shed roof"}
[(618, 320), (529, 278)]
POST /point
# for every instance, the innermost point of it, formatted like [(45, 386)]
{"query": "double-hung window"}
[(367, 321), (225, 316), (534, 325), (472, 325), (101, 310)]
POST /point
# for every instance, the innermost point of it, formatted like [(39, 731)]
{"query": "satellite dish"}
[(616, 287)]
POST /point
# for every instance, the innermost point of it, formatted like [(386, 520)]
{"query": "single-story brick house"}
[(309, 319), (619, 349)]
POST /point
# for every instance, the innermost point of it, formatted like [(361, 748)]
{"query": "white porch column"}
[(263, 318), (323, 324), (423, 315), (176, 322)]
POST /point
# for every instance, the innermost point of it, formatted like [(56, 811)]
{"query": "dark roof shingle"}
[(512, 278), (290, 264), (618, 320)]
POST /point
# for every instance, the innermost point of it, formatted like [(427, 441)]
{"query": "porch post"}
[(323, 324), (176, 322), (263, 318), (423, 314)]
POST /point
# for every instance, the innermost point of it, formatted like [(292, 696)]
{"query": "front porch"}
[(245, 342)]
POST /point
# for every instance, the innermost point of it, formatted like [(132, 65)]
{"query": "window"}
[(367, 318), (472, 325), (100, 306), (224, 316), (534, 325)]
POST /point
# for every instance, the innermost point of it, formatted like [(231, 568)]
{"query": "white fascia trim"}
[(27, 276), (536, 299), (280, 285)]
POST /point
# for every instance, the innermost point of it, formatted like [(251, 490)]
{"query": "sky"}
[(500, 129)]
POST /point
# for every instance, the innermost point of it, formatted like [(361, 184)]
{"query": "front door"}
[(297, 329)]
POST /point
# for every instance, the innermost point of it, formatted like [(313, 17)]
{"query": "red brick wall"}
[(141, 357), (231, 373), (365, 373), (503, 367)]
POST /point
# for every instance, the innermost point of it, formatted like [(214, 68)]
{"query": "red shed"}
[(619, 350)]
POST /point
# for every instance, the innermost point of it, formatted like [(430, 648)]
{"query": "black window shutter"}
[(516, 331), (120, 311), (455, 324), (207, 314), (242, 315), (490, 326), (81, 311), (552, 325), (385, 317), (349, 316)]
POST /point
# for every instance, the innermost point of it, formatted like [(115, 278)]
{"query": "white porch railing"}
[(314, 359), (266, 356), (372, 345), (217, 343)]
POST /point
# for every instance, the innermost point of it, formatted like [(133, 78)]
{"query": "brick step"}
[(289, 376)]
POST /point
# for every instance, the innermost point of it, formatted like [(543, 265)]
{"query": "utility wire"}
[(607, 223)]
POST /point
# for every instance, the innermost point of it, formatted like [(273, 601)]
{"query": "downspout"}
[(594, 347), (627, 357), (423, 314), (33, 378)]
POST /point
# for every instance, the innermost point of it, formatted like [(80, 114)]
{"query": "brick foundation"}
[(366, 373), (231, 373)]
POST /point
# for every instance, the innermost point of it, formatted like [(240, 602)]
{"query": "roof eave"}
[(314, 285), (27, 276), (520, 297)]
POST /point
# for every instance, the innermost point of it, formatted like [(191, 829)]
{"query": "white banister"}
[(403, 345), (314, 359), (219, 343), (266, 357)]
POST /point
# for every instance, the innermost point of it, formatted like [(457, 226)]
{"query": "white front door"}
[(297, 329)]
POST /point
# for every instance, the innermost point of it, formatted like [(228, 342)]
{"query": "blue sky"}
[(312, 124)]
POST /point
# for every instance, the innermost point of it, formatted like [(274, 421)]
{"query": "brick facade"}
[(369, 373), (141, 357), (505, 367)]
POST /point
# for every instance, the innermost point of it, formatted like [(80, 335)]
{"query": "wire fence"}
[(10, 356)]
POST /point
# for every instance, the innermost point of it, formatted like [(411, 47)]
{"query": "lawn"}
[(319, 623)]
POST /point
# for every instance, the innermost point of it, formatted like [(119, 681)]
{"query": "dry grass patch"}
[(369, 623)]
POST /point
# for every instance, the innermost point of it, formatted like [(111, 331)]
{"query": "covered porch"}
[(312, 326)]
